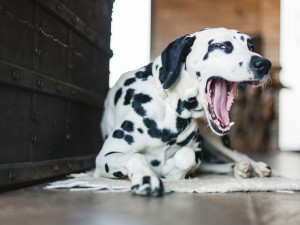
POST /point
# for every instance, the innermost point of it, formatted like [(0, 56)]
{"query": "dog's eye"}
[(251, 49), (251, 46), (219, 46)]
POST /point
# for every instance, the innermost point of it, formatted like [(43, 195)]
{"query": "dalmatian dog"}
[(150, 116)]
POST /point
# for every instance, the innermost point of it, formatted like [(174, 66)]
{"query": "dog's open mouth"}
[(220, 95)]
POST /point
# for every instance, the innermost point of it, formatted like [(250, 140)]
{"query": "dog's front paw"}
[(147, 186), (262, 169), (242, 170)]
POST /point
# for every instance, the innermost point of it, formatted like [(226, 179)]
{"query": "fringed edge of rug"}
[(201, 184)]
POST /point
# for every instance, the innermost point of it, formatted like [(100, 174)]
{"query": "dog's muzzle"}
[(260, 67)]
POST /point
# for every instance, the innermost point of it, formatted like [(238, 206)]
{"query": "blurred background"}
[(56, 63), (266, 119)]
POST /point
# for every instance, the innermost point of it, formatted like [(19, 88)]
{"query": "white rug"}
[(206, 183)]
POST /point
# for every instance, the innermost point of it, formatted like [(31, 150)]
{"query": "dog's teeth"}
[(218, 123), (231, 124), (222, 125), (213, 116)]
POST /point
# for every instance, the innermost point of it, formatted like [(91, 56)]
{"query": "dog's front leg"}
[(133, 165), (143, 180), (121, 163)]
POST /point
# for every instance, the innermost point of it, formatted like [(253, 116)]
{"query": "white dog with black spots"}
[(150, 115)]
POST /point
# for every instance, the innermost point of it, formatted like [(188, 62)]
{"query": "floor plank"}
[(35, 205)]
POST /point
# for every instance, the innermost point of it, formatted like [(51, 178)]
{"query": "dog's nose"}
[(260, 66)]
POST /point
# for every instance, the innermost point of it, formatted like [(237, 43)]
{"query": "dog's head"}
[(206, 67)]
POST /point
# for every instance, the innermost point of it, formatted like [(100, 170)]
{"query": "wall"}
[(173, 18)]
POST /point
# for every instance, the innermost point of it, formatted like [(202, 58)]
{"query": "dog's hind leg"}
[(124, 162), (220, 168), (243, 166), (239, 169)]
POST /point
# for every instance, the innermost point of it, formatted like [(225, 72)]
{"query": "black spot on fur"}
[(191, 103), (226, 141), (165, 135), (229, 47), (210, 41), (162, 74), (111, 153), (156, 67), (185, 68), (118, 134), (106, 168), (198, 74), (118, 95), (128, 96), (155, 162), (199, 140), (242, 38), (181, 124), (137, 102), (134, 187), (188, 139), (118, 174), (140, 130), (200, 145), (216, 46), (127, 126), (180, 107), (161, 190), (148, 69), (206, 56), (240, 63), (146, 180), (209, 50), (172, 142), (129, 139), (198, 156), (143, 75), (129, 81)]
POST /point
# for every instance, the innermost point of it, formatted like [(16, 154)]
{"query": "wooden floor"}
[(35, 205)]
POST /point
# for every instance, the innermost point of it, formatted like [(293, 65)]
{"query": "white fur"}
[(134, 159)]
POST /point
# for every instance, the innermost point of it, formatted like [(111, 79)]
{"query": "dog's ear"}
[(172, 58)]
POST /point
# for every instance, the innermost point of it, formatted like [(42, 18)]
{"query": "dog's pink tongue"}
[(220, 101)]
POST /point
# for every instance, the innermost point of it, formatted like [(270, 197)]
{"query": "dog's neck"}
[(185, 88)]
